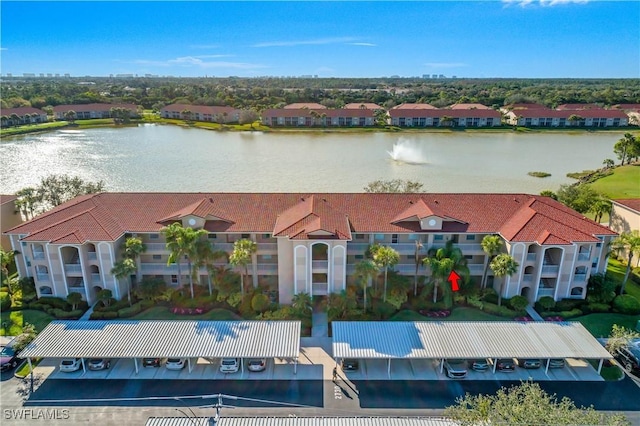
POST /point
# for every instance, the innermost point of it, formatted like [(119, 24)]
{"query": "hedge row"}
[(503, 311), (127, 312), (564, 314)]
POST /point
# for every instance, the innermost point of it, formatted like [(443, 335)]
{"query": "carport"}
[(464, 340), (167, 339)]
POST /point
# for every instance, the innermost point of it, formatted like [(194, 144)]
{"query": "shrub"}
[(502, 311), (60, 314), (598, 307), (129, 312), (519, 303), (97, 315), (626, 304), (546, 303), (260, 303), (569, 304), (245, 306), (490, 296), (570, 314), (5, 301), (146, 304), (55, 302), (4, 289)]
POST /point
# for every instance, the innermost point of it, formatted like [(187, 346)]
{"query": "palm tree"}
[(241, 256), (438, 261), (205, 255), (384, 257), (27, 200), (175, 244), (608, 163), (6, 258), (574, 119), (599, 208), (491, 245), (366, 270), (418, 263), (301, 303), (629, 242), (133, 248), (124, 269), (503, 265)]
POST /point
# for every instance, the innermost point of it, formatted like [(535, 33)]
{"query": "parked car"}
[(479, 364), (229, 365), (556, 363), (629, 356), (455, 368), (350, 364), (257, 364), (69, 365), (175, 363), (151, 362), (506, 365), (8, 358), (99, 364), (529, 363)]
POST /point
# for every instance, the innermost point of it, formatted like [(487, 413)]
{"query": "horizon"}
[(513, 39)]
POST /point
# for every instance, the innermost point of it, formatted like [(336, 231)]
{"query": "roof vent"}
[(435, 201), (410, 202), (211, 200)]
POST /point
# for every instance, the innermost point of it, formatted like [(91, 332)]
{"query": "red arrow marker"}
[(453, 279)]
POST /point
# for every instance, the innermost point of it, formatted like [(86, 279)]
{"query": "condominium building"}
[(312, 242)]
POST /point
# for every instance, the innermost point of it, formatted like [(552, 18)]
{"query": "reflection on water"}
[(169, 158)]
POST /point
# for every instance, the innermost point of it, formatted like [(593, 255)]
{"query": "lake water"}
[(169, 158)]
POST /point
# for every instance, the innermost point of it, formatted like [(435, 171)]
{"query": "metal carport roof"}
[(175, 339), (462, 339), (301, 421)]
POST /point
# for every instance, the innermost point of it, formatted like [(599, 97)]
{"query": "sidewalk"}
[(533, 314)]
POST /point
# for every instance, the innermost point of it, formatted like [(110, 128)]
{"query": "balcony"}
[(580, 278), (92, 255), (527, 278), (545, 291), (42, 277), (156, 247), (268, 248), (583, 257), (95, 279), (531, 257), (73, 268), (319, 289), (356, 248), (320, 265), (162, 269), (267, 268), (38, 255), (550, 269)]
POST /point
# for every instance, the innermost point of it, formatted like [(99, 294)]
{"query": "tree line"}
[(267, 92)]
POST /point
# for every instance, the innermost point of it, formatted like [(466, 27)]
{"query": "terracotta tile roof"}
[(578, 106), (520, 106), (627, 107), (107, 216), (200, 109), (7, 198), (21, 111), (359, 105), (439, 113), (469, 106), (413, 106), (92, 107), (305, 105), (303, 112), (630, 203), (584, 113), (203, 208)]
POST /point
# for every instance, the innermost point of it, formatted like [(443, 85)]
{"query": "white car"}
[(229, 365), (257, 364), (176, 363), (69, 365), (455, 368)]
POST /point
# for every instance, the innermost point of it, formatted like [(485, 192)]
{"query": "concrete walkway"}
[(319, 324), (86, 315), (533, 314)]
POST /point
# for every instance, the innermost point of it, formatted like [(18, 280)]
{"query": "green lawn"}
[(15, 321), (11, 131), (616, 270), (163, 313), (623, 183), (457, 314), (600, 324)]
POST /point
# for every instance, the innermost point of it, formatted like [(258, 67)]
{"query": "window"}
[(394, 238), (266, 257), (157, 256), (470, 237), (379, 236), (174, 279), (359, 256), (154, 236), (245, 236), (438, 237), (266, 235), (598, 244), (359, 236), (468, 256), (411, 256), (212, 236)]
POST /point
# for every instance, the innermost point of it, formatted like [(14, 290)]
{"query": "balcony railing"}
[(583, 257), (580, 278), (531, 257), (356, 248), (320, 264), (92, 255), (80, 290), (550, 269), (162, 268), (156, 247), (320, 288), (267, 268), (95, 279), (38, 255), (42, 277), (545, 291), (527, 278), (72, 268), (267, 247)]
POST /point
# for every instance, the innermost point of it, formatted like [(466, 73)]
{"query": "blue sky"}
[(531, 38)]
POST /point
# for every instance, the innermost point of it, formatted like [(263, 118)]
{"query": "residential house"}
[(215, 114), (312, 243), (91, 111), (22, 115), (318, 117), (625, 217), (547, 117), (425, 115), (363, 105), (632, 110), (305, 105)]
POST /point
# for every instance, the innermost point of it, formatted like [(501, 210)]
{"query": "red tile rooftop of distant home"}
[(631, 203)]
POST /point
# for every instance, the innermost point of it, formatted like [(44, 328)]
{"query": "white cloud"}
[(363, 44), (524, 3), (319, 41), (197, 61), (446, 64)]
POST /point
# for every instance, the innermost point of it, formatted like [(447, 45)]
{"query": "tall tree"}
[(623, 146), (628, 242), (54, 190), (578, 197), (442, 261), (503, 265), (440, 268), (243, 251), (599, 208), (6, 258), (205, 255), (175, 244), (124, 269), (70, 116), (394, 186), (491, 245), (366, 270), (385, 257), (526, 404)]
